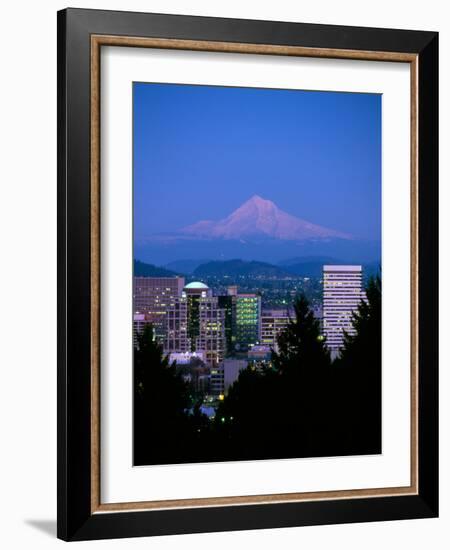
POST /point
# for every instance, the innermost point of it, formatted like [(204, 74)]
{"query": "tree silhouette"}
[(281, 411), (247, 421), (161, 399), (359, 365), (301, 345), (304, 365), (305, 405), (301, 405)]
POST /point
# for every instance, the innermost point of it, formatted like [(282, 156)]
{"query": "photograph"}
[(247, 273), (257, 273)]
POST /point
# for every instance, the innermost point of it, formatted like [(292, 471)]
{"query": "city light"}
[(212, 334)]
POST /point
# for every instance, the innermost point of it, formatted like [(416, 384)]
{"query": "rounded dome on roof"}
[(196, 285)]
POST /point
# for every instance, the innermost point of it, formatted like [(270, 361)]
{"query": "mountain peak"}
[(254, 207), (258, 217), (256, 199), (258, 204)]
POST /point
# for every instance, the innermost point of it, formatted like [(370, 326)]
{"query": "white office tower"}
[(342, 293)]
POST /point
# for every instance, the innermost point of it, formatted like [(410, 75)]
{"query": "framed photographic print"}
[(247, 274)]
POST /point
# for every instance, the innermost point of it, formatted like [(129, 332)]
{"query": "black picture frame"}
[(76, 521)]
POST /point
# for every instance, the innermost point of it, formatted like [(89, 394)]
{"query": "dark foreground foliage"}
[(304, 406)]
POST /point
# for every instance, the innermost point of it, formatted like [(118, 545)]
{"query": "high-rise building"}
[(228, 303), (195, 322), (195, 294), (242, 320), (247, 321), (176, 338), (273, 322), (342, 293), (153, 296), (138, 326), (211, 337)]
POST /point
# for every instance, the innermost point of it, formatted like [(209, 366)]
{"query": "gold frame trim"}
[(97, 41)]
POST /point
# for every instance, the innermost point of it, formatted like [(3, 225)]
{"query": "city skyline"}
[(211, 335), (188, 317)]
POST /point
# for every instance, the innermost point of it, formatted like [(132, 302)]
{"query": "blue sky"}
[(201, 151)]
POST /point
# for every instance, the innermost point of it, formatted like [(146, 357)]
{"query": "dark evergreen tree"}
[(301, 346), (301, 405), (304, 365), (284, 410), (365, 344), (161, 398), (359, 367), (246, 422)]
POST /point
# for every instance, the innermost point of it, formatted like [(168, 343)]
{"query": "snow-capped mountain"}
[(259, 217)]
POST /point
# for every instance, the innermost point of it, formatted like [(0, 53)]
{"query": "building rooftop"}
[(259, 348), (196, 285), (342, 267)]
